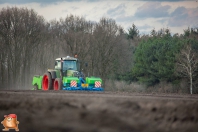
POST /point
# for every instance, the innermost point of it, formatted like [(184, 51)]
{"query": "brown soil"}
[(63, 111)]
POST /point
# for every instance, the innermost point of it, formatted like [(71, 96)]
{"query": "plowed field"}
[(63, 111)]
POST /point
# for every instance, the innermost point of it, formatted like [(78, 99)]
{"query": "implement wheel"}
[(35, 87), (58, 84), (47, 81)]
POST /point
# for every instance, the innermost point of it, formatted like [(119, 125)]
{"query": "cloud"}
[(33, 1), (184, 16), (124, 18), (119, 13), (153, 10), (145, 27), (180, 12), (119, 10), (41, 1), (176, 14)]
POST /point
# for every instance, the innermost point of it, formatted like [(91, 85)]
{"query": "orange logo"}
[(10, 122)]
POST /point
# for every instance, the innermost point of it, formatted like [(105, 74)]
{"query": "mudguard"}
[(37, 80)]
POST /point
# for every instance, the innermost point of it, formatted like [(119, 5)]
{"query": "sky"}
[(176, 15)]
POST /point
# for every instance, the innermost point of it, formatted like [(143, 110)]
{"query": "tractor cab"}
[(68, 65)]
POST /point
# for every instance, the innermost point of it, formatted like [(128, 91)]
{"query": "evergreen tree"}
[(133, 32), (155, 59)]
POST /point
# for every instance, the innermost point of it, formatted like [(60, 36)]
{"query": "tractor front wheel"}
[(58, 84), (47, 81)]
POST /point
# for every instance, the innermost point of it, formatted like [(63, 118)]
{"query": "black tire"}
[(47, 81), (58, 84)]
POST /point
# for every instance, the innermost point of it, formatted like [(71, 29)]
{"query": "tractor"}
[(66, 75)]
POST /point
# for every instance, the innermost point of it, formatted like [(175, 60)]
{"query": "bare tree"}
[(75, 35), (20, 33), (107, 48), (187, 64)]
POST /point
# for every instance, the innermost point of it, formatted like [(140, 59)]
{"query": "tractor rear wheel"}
[(58, 84), (47, 81)]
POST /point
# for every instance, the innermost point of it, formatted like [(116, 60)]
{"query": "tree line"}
[(162, 57), (29, 45)]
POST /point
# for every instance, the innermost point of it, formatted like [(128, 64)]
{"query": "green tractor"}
[(66, 76)]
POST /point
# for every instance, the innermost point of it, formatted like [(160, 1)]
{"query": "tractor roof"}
[(67, 58)]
